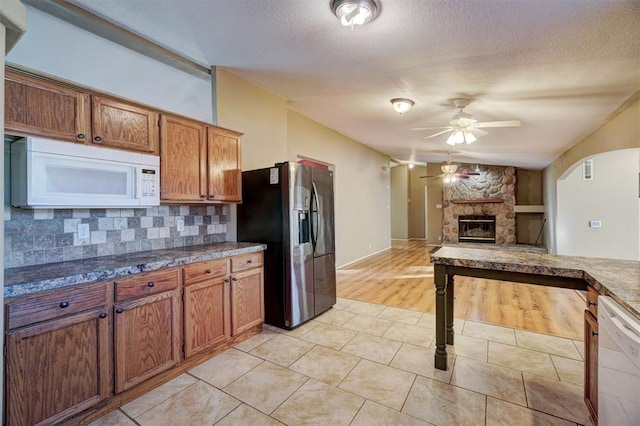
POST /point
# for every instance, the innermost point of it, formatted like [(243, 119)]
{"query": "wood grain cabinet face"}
[(41, 108), (207, 319), (122, 125), (147, 333), (183, 160), (58, 367), (247, 300), (224, 167), (591, 364)]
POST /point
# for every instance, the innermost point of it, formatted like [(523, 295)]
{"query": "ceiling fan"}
[(449, 172), (465, 128)]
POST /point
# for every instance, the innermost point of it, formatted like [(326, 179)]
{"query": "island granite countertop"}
[(619, 279), (31, 279)]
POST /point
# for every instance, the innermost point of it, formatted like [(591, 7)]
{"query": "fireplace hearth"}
[(477, 229)]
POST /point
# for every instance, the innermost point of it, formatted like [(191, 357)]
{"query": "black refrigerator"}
[(289, 207)]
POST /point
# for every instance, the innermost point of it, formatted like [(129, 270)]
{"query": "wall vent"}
[(587, 170)]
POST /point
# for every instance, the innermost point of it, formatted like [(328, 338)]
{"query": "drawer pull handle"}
[(594, 334), (119, 311), (151, 284), (593, 303), (103, 315), (250, 261), (208, 271), (64, 305)]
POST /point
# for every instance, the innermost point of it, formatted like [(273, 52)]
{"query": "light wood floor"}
[(403, 277)]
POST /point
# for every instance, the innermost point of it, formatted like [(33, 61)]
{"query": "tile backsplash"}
[(36, 237)]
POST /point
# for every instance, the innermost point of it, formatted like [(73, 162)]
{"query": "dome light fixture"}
[(354, 12), (402, 105)]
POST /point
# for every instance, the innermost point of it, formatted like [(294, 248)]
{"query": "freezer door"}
[(324, 271), (301, 301), (322, 221)]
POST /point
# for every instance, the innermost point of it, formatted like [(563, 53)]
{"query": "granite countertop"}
[(617, 278), (31, 279)]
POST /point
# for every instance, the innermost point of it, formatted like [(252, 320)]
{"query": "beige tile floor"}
[(367, 364)]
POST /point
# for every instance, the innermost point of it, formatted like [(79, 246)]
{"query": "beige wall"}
[(362, 195), (416, 202), (620, 132), (610, 197), (399, 204), (434, 198)]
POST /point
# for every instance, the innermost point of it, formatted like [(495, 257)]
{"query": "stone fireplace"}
[(490, 194)]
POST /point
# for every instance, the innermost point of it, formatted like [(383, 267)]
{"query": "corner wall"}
[(620, 132), (399, 206)]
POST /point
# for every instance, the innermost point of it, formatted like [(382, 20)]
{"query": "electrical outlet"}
[(180, 224), (83, 231)]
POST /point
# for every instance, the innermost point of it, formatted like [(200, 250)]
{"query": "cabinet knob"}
[(119, 311), (226, 280), (97, 139), (211, 197), (203, 196), (80, 136), (594, 334), (151, 284), (592, 303), (250, 261), (234, 279), (64, 305), (208, 271), (103, 315)]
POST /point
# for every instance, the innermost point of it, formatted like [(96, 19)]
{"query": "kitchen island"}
[(619, 279)]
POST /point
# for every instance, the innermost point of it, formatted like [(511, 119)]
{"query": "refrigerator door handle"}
[(314, 223)]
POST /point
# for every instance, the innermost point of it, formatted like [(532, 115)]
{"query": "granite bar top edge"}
[(617, 278), (32, 279)]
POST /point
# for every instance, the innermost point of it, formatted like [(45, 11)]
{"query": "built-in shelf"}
[(479, 201), (528, 209)]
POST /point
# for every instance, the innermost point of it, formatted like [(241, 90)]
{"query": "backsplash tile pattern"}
[(37, 237)]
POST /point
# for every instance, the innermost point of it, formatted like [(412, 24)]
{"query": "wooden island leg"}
[(450, 297), (440, 280)]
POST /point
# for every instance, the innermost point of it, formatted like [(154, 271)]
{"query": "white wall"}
[(611, 197), (54, 47)]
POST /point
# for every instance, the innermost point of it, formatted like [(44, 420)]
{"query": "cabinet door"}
[(225, 170), (41, 108), (206, 315), (183, 160), (591, 364), (247, 300), (58, 368), (147, 338), (121, 125)]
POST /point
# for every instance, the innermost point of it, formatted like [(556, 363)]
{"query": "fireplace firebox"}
[(477, 229)]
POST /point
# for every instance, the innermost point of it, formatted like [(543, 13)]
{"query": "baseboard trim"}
[(363, 258)]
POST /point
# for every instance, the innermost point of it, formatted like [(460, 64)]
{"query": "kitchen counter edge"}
[(32, 279)]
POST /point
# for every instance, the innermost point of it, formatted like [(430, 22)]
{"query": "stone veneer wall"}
[(35, 237), (494, 182)]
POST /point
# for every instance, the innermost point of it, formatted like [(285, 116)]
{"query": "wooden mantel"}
[(479, 201)]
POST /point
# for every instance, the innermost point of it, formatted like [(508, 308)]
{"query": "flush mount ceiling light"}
[(461, 136), (402, 105), (354, 12)]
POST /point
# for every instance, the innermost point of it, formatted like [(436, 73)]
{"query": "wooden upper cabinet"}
[(183, 160), (122, 125), (224, 168), (42, 108)]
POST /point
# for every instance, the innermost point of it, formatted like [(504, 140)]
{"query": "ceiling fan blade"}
[(463, 176), (431, 128), (470, 174), (508, 123), (438, 134), (428, 177)]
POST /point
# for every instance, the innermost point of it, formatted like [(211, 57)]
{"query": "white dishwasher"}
[(618, 365)]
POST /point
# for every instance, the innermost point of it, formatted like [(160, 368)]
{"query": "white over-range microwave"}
[(52, 174)]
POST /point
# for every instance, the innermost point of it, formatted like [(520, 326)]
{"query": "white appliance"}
[(52, 174), (618, 364)]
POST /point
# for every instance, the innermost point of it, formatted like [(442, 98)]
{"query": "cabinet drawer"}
[(202, 270), (592, 301), (51, 305), (247, 261), (145, 284)]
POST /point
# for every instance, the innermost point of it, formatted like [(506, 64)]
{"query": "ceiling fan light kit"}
[(354, 12), (461, 136), (402, 105)]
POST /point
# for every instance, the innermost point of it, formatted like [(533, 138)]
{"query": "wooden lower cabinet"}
[(57, 368), (146, 329), (247, 300), (591, 364)]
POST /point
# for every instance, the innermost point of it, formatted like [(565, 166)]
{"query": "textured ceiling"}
[(561, 67)]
